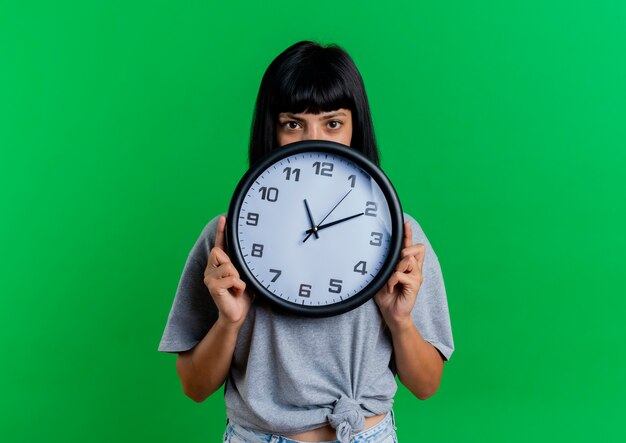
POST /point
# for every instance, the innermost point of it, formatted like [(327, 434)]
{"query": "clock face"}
[(315, 228)]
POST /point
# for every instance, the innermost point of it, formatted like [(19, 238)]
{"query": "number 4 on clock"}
[(360, 268)]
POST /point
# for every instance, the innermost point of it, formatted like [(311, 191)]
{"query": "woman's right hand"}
[(225, 286)]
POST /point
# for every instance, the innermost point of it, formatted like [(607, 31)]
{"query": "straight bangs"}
[(311, 91)]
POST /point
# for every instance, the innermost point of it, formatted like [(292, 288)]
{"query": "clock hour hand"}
[(328, 225), (308, 211)]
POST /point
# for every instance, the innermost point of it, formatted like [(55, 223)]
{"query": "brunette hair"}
[(309, 77)]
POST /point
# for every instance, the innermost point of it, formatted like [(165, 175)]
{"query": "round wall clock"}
[(315, 228)]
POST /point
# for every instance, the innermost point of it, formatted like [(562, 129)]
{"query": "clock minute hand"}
[(314, 228), (328, 225)]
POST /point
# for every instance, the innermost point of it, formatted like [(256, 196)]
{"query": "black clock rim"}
[(395, 209)]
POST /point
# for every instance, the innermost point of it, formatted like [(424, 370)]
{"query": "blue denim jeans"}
[(382, 432)]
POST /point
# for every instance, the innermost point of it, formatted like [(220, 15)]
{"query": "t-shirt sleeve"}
[(430, 312), (193, 311)]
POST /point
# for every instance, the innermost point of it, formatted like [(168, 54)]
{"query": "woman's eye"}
[(334, 124), (291, 125)]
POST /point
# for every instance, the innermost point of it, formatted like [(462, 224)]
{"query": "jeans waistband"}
[(372, 435)]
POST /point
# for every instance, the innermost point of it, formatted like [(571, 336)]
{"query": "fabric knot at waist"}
[(347, 418)]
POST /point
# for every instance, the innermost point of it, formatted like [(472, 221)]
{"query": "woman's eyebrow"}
[(322, 116), (333, 114), (290, 116)]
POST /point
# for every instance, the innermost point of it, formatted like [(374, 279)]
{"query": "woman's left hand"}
[(396, 299)]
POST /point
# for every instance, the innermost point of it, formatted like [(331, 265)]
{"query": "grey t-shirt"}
[(291, 374)]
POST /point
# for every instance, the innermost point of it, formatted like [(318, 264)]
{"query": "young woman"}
[(292, 379)]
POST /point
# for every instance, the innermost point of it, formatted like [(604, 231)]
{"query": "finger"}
[(418, 250), (230, 283), (408, 280), (219, 238), (238, 286), (391, 284), (218, 257), (408, 235), (407, 265), (415, 250), (420, 259), (403, 264), (224, 270)]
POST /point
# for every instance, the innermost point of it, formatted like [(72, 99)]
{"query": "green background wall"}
[(123, 130)]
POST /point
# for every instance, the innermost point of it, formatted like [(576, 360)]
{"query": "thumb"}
[(219, 239)]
